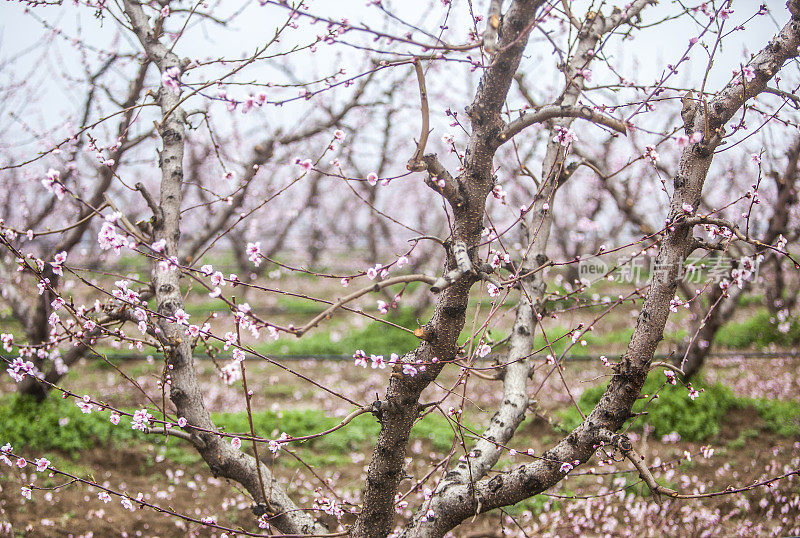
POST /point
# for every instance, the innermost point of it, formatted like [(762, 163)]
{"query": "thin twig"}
[(416, 164), (356, 294)]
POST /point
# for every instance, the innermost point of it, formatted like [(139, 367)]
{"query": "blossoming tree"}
[(264, 151)]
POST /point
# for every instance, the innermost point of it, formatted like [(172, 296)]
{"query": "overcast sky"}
[(22, 37)]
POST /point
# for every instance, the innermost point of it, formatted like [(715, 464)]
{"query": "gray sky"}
[(51, 100)]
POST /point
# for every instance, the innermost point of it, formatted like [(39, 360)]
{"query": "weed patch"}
[(693, 420)]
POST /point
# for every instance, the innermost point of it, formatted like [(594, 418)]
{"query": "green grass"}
[(744, 435), (674, 411), (27, 424), (781, 417), (375, 337), (362, 430), (757, 331)]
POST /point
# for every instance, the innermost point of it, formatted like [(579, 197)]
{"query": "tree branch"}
[(326, 314), (415, 164), (185, 393), (550, 112)]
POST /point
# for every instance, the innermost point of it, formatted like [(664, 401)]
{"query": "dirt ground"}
[(597, 501)]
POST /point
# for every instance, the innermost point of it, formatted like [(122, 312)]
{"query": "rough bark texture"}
[(401, 404), (504, 423), (221, 457), (614, 408)]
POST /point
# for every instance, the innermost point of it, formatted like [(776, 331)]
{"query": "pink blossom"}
[(670, 377), (253, 251), (170, 78), (8, 341), (275, 445), (651, 153), (42, 464), (236, 443), (499, 193), (25, 492), (248, 104), (360, 358), (748, 73), (306, 164), (372, 178), (409, 369), (378, 362), (51, 183), (372, 272), (230, 373), (42, 285), (182, 422), (217, 279), (141, 420), (181, 317), (565, 137), (114, 418)]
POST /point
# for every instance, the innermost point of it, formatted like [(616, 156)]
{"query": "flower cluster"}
[(377, 270), (565, 137), (109, 239), (8, 341), (141, 420), (328, 505), (19, 368), (275, 444), (360, 359), (52, 184)]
